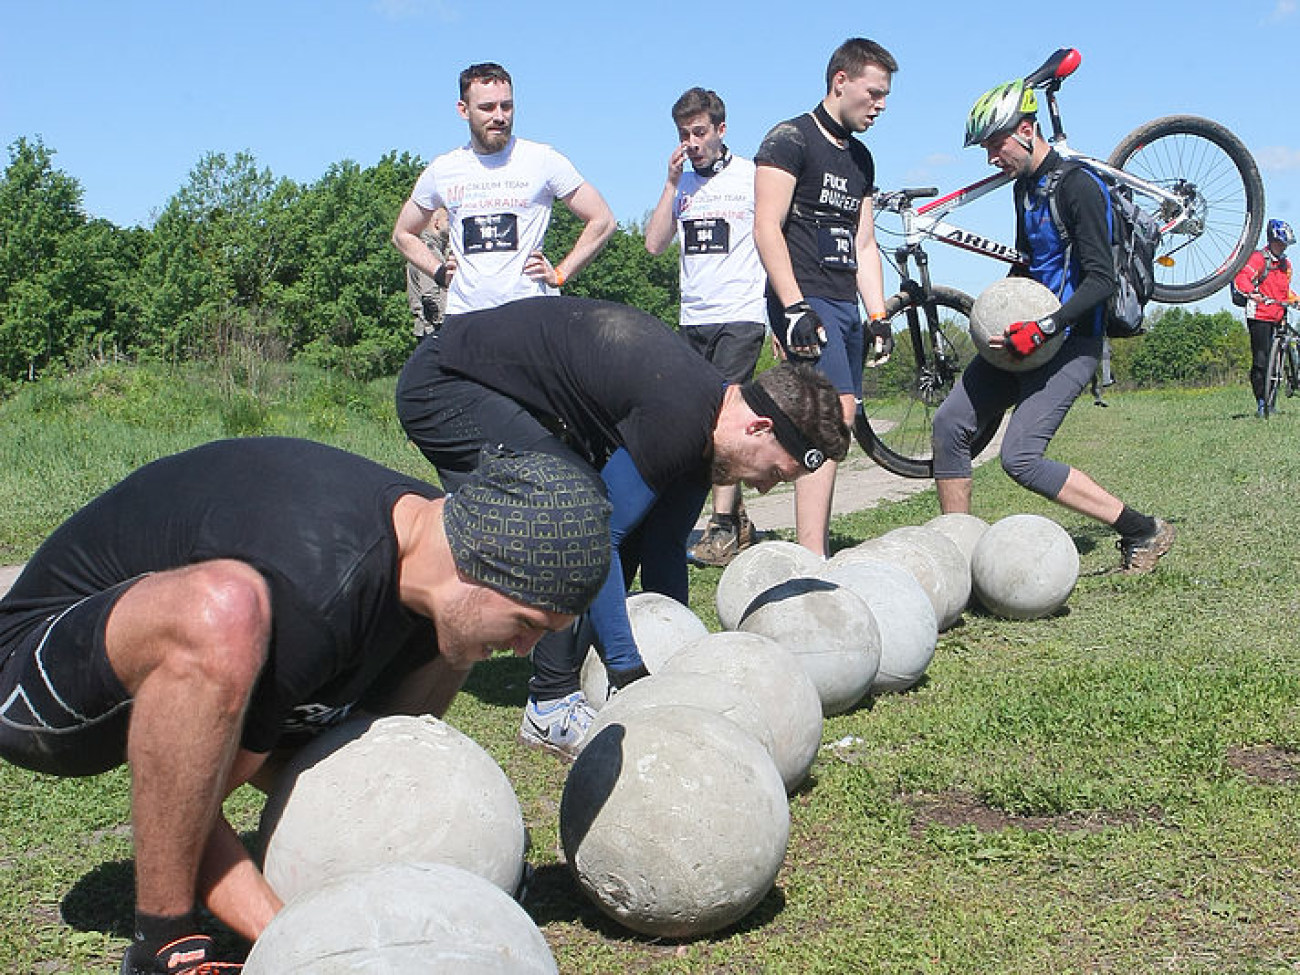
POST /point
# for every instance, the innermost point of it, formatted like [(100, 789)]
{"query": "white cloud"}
[(929, 169), (1284, 10), (1277, 159)]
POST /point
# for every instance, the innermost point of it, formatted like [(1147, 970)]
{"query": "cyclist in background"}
[(1265, 281), (1004, 122)]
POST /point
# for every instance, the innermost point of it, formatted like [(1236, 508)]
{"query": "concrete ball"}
[(674, 821), (1009, 300), (715, 694), (387, 790), (781, 689), (402, 919), (905, 555), (1025, 567), (756, 569), (953, 565), (829, 629), (660, 625), (908, 628), (966, 530)]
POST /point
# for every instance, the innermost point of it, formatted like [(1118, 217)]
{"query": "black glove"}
[(882, 340), (440, 276), (802, 334)]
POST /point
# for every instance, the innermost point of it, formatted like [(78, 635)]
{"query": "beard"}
[(493, 140)]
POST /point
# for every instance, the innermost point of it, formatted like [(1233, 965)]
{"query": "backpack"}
[(1134, 238)]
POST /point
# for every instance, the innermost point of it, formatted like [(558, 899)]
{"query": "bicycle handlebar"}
[(896, 200)]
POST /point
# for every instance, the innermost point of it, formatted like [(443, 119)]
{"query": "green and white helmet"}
[(1000, 109)]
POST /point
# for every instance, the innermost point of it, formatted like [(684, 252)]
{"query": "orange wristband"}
[(560, 278), (878, 316)]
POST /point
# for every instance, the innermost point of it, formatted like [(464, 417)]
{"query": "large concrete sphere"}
[(1009, 300), (716, 694), (1025, 567), (831, 631), (660, 625), (757, 569), (904, 616), (954, 566), (906, 555), (402, 919), (391, 790), (674, 821), (778, 684), (966, 530)]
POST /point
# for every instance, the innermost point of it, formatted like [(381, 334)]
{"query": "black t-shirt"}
[(315, 521), (830, 184), (612, 375)]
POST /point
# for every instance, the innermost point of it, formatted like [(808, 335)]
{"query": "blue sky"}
[(131, 94)]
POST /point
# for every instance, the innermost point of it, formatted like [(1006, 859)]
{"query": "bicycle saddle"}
[(1055, 69)]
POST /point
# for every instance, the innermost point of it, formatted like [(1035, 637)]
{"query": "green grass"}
[(1063, 795)]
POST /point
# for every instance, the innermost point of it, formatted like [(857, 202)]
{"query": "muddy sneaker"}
[(1140, 555), (185, 956), (717, 546), (747, 535), (557, 726)]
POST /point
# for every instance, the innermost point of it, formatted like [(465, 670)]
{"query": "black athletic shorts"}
[(734, 347), (62, 709)]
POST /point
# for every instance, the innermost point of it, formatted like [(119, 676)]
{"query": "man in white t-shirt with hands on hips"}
[(498, 192)]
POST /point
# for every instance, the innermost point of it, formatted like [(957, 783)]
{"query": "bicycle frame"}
[(928, 222)]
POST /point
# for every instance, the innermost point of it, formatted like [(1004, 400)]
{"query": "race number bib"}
[(835, 248), (490, 232), (706, 236)]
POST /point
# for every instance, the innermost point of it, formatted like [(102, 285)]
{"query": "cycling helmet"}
[(1000, 109), (1281, 230)]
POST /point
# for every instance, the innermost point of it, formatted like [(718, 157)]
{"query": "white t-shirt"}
[(722, 277), (499, 207)]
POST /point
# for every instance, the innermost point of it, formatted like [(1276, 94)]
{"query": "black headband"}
[(789, 436)]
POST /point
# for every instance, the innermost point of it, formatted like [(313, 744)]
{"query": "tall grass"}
[(1113, 789)]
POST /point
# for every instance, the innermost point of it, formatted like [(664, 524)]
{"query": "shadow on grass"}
[(500, 680), (554, 897)]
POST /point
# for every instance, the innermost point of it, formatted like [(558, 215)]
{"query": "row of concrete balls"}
[(648, 819), (673, 819)]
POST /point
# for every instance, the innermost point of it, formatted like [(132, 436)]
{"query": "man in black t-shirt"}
[(615, 389), (815, 232), (213, 603)]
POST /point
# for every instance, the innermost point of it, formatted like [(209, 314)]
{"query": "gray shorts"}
[(62, 708)]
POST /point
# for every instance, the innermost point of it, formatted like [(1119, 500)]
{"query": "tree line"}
[(306, 271), (237, 255)]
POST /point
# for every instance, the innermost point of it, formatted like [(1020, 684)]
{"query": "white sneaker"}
[(558, 726)]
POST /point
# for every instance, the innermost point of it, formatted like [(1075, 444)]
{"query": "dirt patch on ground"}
[(954, 810), (1268, 764)]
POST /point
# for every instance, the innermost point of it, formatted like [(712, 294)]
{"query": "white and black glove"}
[(882, 341), (801, 334)]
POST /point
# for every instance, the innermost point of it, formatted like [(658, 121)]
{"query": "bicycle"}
[(1193, 174), (1283, 362)]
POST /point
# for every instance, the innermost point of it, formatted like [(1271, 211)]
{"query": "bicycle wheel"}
[(1292, 368), (1273, 375), (895, 419), (1213, 172)]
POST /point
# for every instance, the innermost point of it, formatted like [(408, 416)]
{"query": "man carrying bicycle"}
[(1078, 269), (1264, 282)]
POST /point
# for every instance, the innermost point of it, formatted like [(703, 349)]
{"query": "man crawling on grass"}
[(220, 603)]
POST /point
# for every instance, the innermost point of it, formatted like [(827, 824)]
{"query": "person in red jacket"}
[(1265, 280)]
